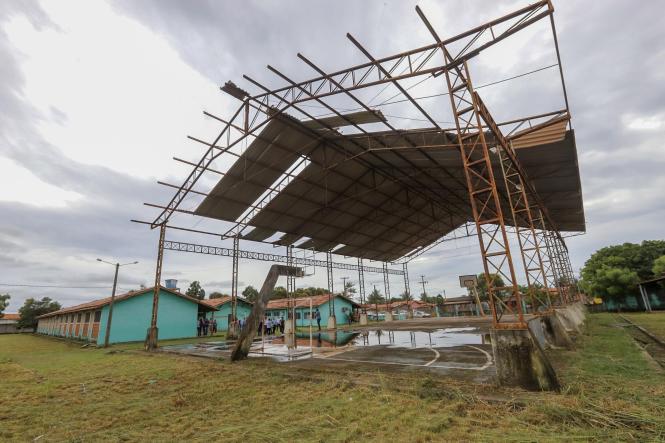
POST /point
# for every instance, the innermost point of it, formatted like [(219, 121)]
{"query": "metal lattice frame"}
[(234, 278), (386, 282), (361, 285), (331, 283), (151, 337), (523, 213)]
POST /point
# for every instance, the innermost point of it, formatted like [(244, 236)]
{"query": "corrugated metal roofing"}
[(380, 203)]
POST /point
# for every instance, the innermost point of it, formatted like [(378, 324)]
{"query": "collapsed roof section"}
[(378, 195)]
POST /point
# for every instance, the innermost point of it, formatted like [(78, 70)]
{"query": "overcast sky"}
[(96, 98)]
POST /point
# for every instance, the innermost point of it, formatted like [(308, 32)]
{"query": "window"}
[(307, 315), (297, 315), (87, 317), (98, 316), (78, 318)]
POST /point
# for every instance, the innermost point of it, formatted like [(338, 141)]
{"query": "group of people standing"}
[(205, 326), (271, 326)]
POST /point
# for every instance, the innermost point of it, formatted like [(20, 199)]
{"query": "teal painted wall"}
[(176, 318), (222, 316), (343, 309)]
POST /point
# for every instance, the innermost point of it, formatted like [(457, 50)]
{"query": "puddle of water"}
[(289, 348), (439, 338)]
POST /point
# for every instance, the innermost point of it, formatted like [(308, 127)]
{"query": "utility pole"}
[(422, 282), (107, 334), (344, 279)]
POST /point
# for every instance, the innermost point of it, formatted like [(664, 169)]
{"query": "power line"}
[(53, 286), (476, 87), (387, 102)]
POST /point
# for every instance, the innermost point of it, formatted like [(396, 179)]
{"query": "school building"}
[(344, 309), (223, 312), (176, 317)]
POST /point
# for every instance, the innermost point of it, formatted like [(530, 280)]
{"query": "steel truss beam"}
[(263, 256), (414, 62)]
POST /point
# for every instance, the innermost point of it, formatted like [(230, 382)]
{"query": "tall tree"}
[(216, 294), (278, 292), (350, 288), (659, 266), (4, 302), (613, 271), (32, 309), (195, 290), (497, 281), (375, 297), (250, 294)]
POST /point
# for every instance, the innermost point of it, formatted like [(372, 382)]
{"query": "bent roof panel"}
[(382, 203)]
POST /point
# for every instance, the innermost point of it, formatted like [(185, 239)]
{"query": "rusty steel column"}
[(484, 199), (234, 277), (559, 267), (291, 286), (547, 255), (152, 335), (331, 298), (361, 285), (527, 238)]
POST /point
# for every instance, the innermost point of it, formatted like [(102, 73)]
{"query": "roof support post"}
[(234, 286), (547, 258), (291, 286), (484, 196), (361, 285), (529, 241), (557, 265), (386, 281), (407, 289), (151, 337), (331, 298)]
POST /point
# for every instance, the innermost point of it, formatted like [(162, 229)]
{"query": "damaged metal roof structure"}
[(348, 180), (345, 202)]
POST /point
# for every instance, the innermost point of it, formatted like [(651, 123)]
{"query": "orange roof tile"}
[(10, 316), (217, 302), (95, 304), (303, 302)]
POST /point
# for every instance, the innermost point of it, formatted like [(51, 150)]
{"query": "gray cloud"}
[(613, 60)]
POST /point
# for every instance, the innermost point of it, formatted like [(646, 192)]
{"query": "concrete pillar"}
[(332, 322), (232, 332), (520, 361), (556, 332), (289, 326), (389, 316), (363, 319)]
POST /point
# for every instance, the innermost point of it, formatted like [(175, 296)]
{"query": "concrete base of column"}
[(389, 316), (363, 319), (151, 339), (289, 326), (232, 332), (520, 361), (556, 332), (332, 322)]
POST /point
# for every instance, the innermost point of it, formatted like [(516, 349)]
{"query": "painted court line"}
[(487, 364)]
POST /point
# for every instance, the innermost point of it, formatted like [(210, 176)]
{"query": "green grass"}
[(63, 392), (654, 322)]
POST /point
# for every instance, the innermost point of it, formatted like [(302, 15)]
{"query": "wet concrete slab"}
[(462, 351)]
